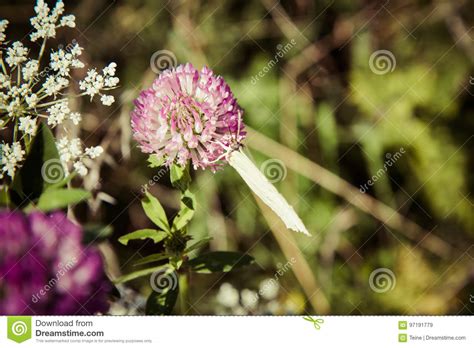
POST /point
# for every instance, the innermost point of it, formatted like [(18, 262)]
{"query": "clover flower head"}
[(45, 268), (188, 114)]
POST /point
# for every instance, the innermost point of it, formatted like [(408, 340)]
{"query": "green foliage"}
[(219, 261), (61, 198), (155, 235), (332, 109), (162, 303), (186, 213), (29, 183), (180, 177), (155, 162), (198, 244), (40, 182), (155, 212), (136, 274), (175, 242), (152, 258), (390, 120), (96, 232)]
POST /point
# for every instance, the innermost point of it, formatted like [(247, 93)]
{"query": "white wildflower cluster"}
[(94, 83), (16, 54), (246, 301), (3, 27), (10, 158), (32, 91), (46, 21), (70, 151)]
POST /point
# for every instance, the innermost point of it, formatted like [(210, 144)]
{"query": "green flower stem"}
[(4, 198), (184, 293), (4, 69)]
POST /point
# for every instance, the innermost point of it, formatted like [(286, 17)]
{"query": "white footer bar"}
[(228, 332)]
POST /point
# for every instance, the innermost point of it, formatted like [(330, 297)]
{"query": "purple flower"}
[(45, 269), (188, 114)]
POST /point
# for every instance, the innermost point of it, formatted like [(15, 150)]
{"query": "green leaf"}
[(162, 302), (41, 169), (154, 161), (198, 244), (136, 274), (155, 235), (96, 232), (155, 211), (62, 182), (61, 198), (180, 177), (186, 213), (219, 261), (152, 258)]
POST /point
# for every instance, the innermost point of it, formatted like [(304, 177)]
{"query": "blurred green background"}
[(336, 93)]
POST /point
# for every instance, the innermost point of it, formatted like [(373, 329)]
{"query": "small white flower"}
[(110, 69), (94, 152), (30, 69), (45, 21), (249, 299), (4, 81), (94, 83), (62, 61), (111, 82), (11, 156), (75, 117), (269, 289), (80, 168), (31, 100), (27, 125), (69, 149), (16, 54), (76, 50), (75, 147), (58, 113), (107, 100), (68, 21), (3, 27), (228, 296), (53, 84), (63, 149)]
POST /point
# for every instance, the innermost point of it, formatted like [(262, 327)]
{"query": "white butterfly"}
[(260, 185)]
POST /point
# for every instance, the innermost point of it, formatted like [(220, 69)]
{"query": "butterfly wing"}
[(260, 185)]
